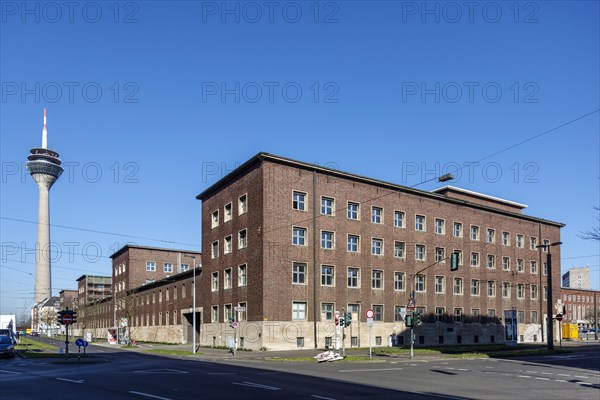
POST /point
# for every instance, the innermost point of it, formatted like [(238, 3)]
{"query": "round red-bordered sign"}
[(370, 313), (559, 317), (67, 319)]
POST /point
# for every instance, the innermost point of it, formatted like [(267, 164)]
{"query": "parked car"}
[(7, 347), (34, 333)]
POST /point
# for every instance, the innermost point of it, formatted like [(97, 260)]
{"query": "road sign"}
[(370, 313), (411, 303), (85, 343), (234, 324), (559, 317), (79, 342), (369, 321), (67, 319), (239, 309)]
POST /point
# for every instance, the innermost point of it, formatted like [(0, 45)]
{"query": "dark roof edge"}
[(418, 192), (131, 246), (173, 278), (94, 276)]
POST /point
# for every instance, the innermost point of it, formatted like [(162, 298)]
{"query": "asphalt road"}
[(135, 375)]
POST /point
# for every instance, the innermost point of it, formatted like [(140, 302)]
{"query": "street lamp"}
[(194, 309), (550, 321)]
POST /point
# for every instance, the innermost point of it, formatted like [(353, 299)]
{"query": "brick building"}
[(68, 298), (579, 306), (290, 243), (91, 288)]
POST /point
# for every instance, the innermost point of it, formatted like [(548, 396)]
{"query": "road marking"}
[(547, 373), (160, 371), (523, 376), (367, 370), (563, 374), (541, 378), (10, 372), (531, 372), (462, 369), (561, 380), (256, 385), (321, 397), (149, 395), (579, 376), (70, 380), (585, 383)]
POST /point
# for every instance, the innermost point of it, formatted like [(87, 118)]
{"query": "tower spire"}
[(44, 133)]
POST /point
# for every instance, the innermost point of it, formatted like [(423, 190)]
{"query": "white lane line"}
[(523, 376), (321, 397), (586, 383), (561, 380), (148, 395), (541, 378), (11, 372), (547, 373), (256, 385), (583, 377), (531, 372), (462, 369), (563, 374), (367, 370), (70, 380)]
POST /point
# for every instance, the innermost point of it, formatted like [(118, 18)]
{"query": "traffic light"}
[(409, 321), (454, 257), (60, 315), (348, 319), (231, 321), (342, 321), (74, 315), (417, 318)]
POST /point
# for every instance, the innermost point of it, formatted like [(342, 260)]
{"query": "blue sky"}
[(150, 102)]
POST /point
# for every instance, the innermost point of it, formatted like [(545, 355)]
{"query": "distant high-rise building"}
[(44, 167), (577, 278)]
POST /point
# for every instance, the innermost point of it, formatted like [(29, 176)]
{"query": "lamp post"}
[(194, 309), (549, 305)]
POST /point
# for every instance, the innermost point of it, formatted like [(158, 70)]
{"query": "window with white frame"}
[(506, 263), (242, 204), (299, 201), (533, 267), (475, 287), (439, 254), (228, 212), (440, 226), (242, 239), (520, 241), (377, 215), (520, 291), (214, 316), (399, 280), (299, 273), (298, 310), (227, 312), (353, 210), (378, 312), (534, 292), (214, 249), (491, 261), (506, 238), (215, 282), (399, 249), (532, 243), (214, 219), (440, 284), (184, 267), (353, 243), (327, 311), (534, 317), (491, 313), (520, 266), (474, 259), (298, 236), (420, 253), (457, 229), (458, 286), (242, 275), (490, 235), (420, 283), (150, 266), (327, 240), (227, 281), (168, 268), (419, 222), (242, 315), (399, 219), (353, 277), (474, 232), (228, 246), (545, 268), (377, 279), (506, 290), (327, 206), (458, 314), (545, 293), (491, 288), (327, 277), (377, 247)]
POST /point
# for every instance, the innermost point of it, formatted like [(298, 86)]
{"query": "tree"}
[(593, 234), (589, 314)]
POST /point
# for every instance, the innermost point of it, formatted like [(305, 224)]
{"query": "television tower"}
[(44, 167)]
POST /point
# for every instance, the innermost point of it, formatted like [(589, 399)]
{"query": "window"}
[(377, 279), (228, 212), (440, 284), (214, 316), (458, 286), (534, 292), (378, 311), (184, 267), (228, 247), (420, 283), (491, 313), (532, 243), (242, 204), (377, 215), (458, 315), (299, 274), (242, 241), (533, 267), (475, 314), (398, 311), (327, 311), (521, 317), (490, 236), (227, 312), (327, 206), (298, 310), (399, 281), (520, 267), (215, 219), (505, 263), (520, 241), (299, 236), (353, 243), (327, 240), (327, 278), (491, 289), (399, 249), (491, 261), (474, 232), (520, 291), (420, 223), (353, 210), (227, 281), (377, 247), (534, 317), (506, 290), (299, 342), (440, 227), (214, 249), (298, 201), (420, 252), (475, 287), (215, 282), (506, 238), (439, 314), (150, 266), (457, 229), (474, 259), (439, 254), (242, 275), (168, 267), (242, 315), (399, 219), (545, 268), (353, 277)]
